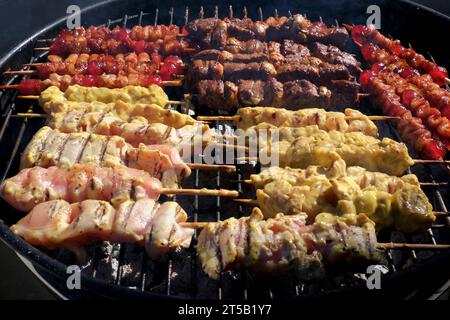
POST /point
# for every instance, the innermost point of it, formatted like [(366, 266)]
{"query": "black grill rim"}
[(398, 283)]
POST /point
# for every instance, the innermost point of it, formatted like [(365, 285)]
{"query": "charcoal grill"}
[(114, 270)]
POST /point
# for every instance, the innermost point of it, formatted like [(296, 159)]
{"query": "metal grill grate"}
[(181, 276)]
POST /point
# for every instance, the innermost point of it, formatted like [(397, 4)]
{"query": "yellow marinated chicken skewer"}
[(390, 201)]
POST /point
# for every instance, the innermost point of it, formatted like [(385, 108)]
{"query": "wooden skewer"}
[(201, 192), (422, 184), (416, 161), (185, 50), (20, 72), (255, 202), (414, 246), (212, 167), (421, 161), (180, 35), (33, 72), (37, 64), (30, 97), (389, 245), (170, 83), (236, 118)]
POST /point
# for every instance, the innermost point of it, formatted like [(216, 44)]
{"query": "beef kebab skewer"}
[(227, 95), (307, 68), (287, 51), (214, 32)]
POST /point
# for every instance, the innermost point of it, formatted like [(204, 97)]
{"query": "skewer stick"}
[(389, 245), (31, 97), (170, 83), (201, 192), (422, 161), (236, 118), (185, 50), (422, 184), (416, 161), (414, 246), (255, 202), (180, 35), (211, 167), (37, 64), (31, 115), (20, 72)]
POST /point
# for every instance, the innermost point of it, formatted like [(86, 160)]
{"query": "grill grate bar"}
[(193, 252), (171, 16), (119, 273), (156, 17), (15, 149), (125, 20), (143, 273), (186, 16)]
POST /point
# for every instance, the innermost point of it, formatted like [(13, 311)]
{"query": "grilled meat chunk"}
[(53, 148), (81, 182), (345, 190), (217, 94), (286, 243), (348, 121), (334, 55), (302, 147), (58, 223)]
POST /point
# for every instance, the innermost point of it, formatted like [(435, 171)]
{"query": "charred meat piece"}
[(250, 46), (57, 223), (286, 243), (254, 70), (246, 29), (205, 70), (264, 93), (319, 73), (332, 54), (225, 56), (292, 48), (216, 94)]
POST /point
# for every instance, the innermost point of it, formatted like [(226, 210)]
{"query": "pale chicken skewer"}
[(287, 243), (348, 121), (57, 223), (190, 137), (390, 201), (130, 94), (80, 182), (50, 147), (302, 147), (122, 105)]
